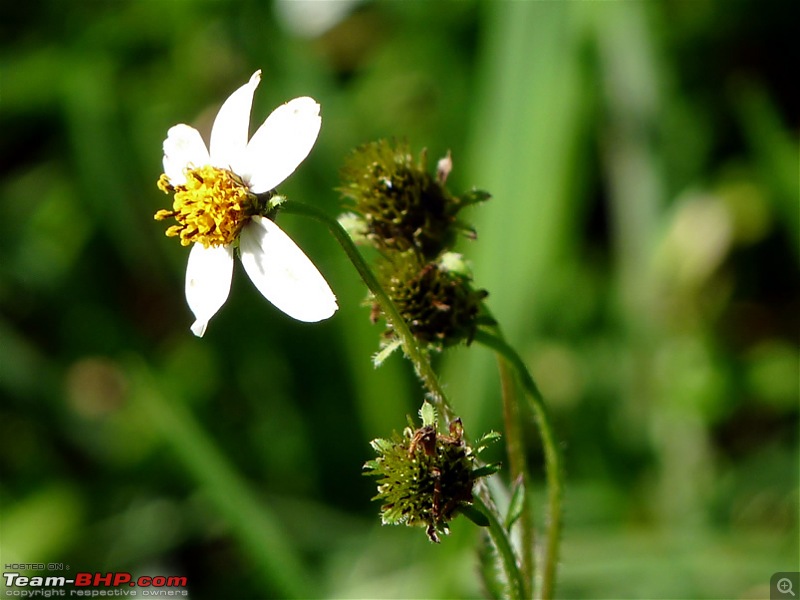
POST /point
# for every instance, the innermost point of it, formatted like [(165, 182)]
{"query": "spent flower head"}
[(399, 205), (435, 299), (223, 202), (427, 477)]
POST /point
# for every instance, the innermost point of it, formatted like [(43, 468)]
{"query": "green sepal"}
[(371, 465), (486, 470), (379, 357), (465, 228), (381, 445), (473, 514), (473, 197), (485, 320), (486, 440)]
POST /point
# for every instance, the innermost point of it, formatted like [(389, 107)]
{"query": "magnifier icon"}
[(785, 586)]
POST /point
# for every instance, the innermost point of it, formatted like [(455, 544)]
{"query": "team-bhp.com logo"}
[(101, 584)]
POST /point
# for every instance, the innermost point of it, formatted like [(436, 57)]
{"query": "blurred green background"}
[(641, 251)]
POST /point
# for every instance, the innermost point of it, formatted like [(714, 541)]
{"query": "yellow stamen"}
[(211, 207)]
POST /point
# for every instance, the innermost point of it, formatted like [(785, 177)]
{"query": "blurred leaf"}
[(773, 373), (251, 521), (526, 131), (517, 504), (41, 526), (775, 151)]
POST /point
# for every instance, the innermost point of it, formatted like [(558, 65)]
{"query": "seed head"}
[(402, 206), (426, 476), (436, 300)]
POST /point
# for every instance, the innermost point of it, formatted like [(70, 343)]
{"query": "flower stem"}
[(555, 477), (418, 358), (500, 537), (518, 467), (501, 541)]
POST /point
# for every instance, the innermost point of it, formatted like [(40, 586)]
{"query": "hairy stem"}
[(555, 477), (423, 368), (499, 536), (517, 464)]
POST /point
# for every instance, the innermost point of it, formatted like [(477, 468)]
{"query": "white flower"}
[(216, 206)]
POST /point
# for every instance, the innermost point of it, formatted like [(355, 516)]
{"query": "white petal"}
[(283, 274), (281, 144), (232, 126), (183, 147), (208, 282)]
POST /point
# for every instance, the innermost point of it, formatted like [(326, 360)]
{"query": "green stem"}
[(517, 464), (555, 477), (425, 371), (418, 358), (501, 541)]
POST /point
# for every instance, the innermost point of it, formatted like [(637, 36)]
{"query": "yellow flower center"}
[(211, 207)]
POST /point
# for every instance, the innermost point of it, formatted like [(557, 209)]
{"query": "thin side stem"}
[(500, 539), (418, 358), (555, 477), (518, 465)]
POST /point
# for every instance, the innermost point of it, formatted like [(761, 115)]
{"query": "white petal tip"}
[(183, 147), (199, 328), (304, 105), (208, 281), (282, 142), (284, 274), (256, 77), (323, 308)]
